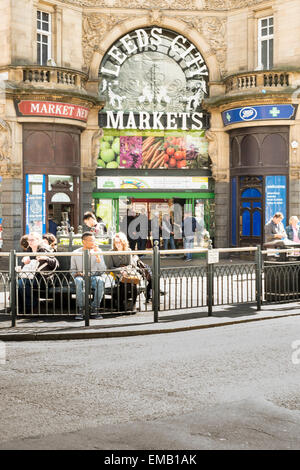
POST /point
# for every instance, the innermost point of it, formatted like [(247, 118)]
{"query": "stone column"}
[(12, 212), (218, 150), (12, 183), (90, 145)]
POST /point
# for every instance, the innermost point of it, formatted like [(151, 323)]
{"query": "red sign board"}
[(52, 109)]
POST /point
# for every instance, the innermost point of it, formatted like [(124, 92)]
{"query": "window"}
[(43, 37), (265, 43)]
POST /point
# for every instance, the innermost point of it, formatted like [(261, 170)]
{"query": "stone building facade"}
[(52, 94)]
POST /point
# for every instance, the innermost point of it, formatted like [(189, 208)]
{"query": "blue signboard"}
[(275, 197), (36, 203), (258, 113)]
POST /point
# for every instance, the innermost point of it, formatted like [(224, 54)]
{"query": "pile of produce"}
[(175, 153), (109, 154), (130, 152), (152, 152)]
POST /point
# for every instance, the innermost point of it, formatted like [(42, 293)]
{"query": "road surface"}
[(234, 387)]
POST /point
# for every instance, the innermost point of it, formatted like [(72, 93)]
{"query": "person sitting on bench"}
[(97, 268)]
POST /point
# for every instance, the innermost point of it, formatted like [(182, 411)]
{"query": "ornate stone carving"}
[(96, 147), (155, 17), (88, 174), (5, 142), (8, 169), (94, 28), (214, 30), (5, 148), (167, 4), (229, 4), (212, 149)]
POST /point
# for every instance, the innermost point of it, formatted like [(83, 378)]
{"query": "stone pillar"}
[(12, 212), (218, 150), (90, 146)]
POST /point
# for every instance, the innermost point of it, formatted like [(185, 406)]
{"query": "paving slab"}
[(141, 323)]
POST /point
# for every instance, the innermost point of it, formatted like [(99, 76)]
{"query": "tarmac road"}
[(233, 387)]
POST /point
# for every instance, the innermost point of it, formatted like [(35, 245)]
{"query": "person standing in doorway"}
[(189, 228), (143, 230), (155, 228), (167, 233)]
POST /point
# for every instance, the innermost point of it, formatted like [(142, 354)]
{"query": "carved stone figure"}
[(4, 142), (96, 147)]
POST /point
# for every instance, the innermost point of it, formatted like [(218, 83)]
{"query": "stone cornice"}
[(200, 5)]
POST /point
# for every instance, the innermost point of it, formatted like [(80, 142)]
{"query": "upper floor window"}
[(43, 37), (265, 42)]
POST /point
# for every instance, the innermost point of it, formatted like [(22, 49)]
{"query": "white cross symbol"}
[(274, 111)]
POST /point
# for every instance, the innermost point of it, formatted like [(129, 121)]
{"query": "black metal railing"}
[(260, 279)]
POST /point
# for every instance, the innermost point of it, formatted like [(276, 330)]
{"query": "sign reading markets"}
[(259, 113)]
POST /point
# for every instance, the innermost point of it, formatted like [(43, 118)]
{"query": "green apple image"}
[(104, 145), (101, 163), (108, 138), (112, 165), (116, 146), (107, 155)]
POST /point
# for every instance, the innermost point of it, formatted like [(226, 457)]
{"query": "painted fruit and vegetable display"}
[(152, 152), (131, 151), (175, 152), (109, 154)]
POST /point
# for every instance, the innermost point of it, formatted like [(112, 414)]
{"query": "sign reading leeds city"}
[(259, 113), (153, 78), (51, 109)]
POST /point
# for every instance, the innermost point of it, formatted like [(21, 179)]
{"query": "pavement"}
[(142, 323)]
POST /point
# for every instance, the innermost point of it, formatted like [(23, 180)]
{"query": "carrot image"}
[(147, 157), (147, 143), (155, 160), (159, 161)]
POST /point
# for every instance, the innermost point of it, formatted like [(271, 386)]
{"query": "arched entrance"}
[(154, 81)]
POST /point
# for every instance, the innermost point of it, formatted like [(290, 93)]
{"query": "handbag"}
[(130, 276), (28, 271)]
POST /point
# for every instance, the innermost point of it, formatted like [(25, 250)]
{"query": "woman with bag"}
[(125, 269), (35, 273)]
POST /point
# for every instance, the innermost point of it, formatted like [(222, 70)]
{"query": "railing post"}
[(210, 283), (13, 287), (258, 262), (86, 273), (156, 281)]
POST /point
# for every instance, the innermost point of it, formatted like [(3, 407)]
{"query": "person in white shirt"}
[(97, 268)]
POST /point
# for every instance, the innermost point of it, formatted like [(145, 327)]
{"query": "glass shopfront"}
[(153, 152)]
